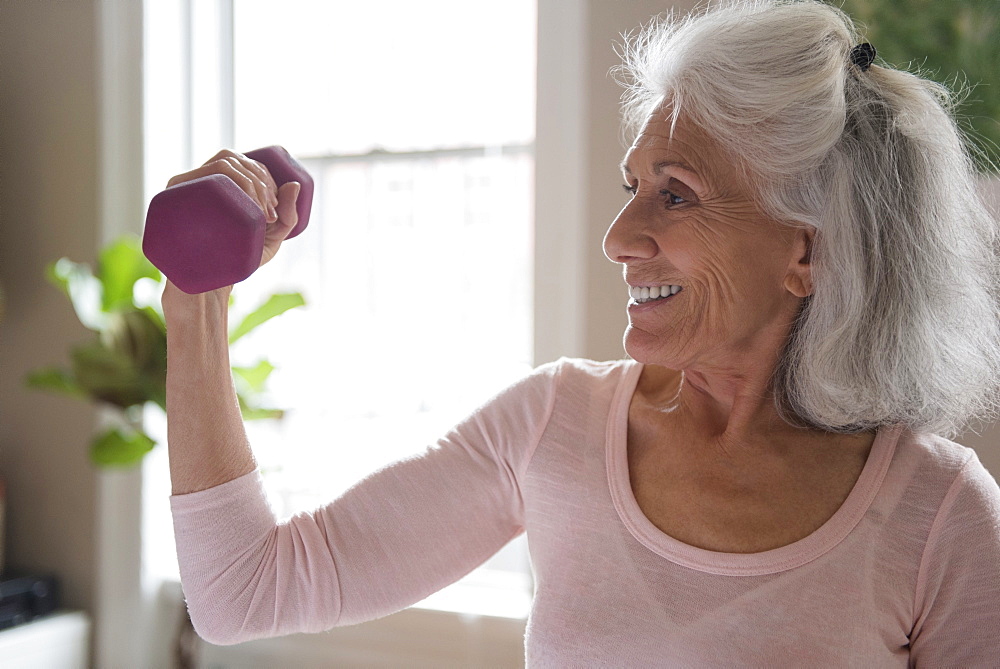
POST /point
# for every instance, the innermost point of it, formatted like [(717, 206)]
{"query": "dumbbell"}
[(207, 233)]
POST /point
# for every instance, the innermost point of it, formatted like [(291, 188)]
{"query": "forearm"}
[(206, 440)]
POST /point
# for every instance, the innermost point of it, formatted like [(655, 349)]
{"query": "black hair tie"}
[(862, 55)]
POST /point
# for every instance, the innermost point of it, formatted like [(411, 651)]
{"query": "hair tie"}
[(862, 55)]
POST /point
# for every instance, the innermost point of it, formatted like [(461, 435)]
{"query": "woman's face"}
[(733, 278)]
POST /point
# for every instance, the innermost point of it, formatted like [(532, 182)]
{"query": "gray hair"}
[(903, 325)]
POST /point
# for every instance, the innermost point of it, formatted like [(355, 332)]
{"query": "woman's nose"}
[(627, 239)]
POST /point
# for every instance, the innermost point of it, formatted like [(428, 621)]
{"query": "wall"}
[(48, 204), (606, 293), (987, 441), (580, 297)]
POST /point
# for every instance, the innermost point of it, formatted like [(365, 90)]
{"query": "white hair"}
[(903, 325)]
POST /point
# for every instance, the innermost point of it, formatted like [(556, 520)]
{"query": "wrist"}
[(180, 305)]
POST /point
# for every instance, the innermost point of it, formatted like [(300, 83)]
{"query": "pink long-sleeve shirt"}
[(906, 572)]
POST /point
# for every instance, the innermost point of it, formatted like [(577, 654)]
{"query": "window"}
[(417, 126)]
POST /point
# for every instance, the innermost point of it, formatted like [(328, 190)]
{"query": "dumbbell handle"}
[(207, 233)]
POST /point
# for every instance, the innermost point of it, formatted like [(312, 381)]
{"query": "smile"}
[(643, 294)]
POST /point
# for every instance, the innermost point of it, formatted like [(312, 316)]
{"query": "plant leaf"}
[(254, 377), (121, 265), (55, 380), (275, 305), (108, 375), (257, 413), (138, 335), (83, 289), (263, 414), (156, 317), (115, 448)]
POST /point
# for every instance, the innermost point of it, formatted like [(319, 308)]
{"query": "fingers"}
[(263, 177), (259, 171), (251, 177), (288, 218), (262, 181)]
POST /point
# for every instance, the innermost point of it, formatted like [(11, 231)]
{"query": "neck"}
[(735, 408)]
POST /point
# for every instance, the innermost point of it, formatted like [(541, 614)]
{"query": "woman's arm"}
[(401, 534), (205, 435), (207, 442), (394, 538)]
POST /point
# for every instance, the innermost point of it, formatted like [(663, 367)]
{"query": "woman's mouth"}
[(643, 294)]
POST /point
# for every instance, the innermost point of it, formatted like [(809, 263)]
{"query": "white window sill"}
[(487, 593), (466, 625), (416, 637)]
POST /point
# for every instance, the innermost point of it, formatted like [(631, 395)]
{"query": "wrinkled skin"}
[(710, 461), (691, 222)]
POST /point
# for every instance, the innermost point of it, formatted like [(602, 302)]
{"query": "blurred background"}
[(465, 158)]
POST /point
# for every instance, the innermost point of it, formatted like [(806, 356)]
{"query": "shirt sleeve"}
[(958, 587), (399, 535)]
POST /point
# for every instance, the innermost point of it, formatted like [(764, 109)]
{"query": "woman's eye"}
[(672, 198)]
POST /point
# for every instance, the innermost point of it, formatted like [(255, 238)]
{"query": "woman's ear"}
[(798, 280)]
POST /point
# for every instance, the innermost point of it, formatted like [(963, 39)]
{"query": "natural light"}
[(416, 266)]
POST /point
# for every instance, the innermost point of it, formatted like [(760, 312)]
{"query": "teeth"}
[(646, 293)]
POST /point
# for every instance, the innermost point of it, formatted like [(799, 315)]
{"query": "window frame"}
[(133, 613)]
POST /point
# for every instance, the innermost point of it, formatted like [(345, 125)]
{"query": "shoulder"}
[(565, 378), (949, 481), (546, 381), (514, 420), (582, 373), (958, 582), (570, 388), (935, 488), (933, 458)]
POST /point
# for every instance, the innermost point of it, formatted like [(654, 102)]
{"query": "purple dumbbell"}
[(207, 233)]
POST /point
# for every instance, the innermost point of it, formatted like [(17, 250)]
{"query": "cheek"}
[(710, 261), (732, 278), (737, 247)]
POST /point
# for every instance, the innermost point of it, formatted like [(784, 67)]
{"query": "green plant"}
[(954, 43), (125, 364)]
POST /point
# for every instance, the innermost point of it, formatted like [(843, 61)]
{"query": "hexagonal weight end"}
[(204, 234)]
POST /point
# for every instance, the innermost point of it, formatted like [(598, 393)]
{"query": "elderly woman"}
[(813, 289)]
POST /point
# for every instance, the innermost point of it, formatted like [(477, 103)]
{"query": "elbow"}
[(283, 583), (219, 630)]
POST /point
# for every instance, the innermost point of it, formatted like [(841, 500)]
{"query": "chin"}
[(648, 349)]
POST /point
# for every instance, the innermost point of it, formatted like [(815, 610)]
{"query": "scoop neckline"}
[(790, 556)]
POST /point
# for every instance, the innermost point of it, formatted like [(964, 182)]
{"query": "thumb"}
[(288, 217)]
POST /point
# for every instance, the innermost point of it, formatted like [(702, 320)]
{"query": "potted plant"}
[(124, 365)]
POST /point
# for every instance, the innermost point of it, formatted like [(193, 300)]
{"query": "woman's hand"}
[(278, 204)]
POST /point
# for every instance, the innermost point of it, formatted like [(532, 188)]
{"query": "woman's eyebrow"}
[(660, 166), (689, 176)]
